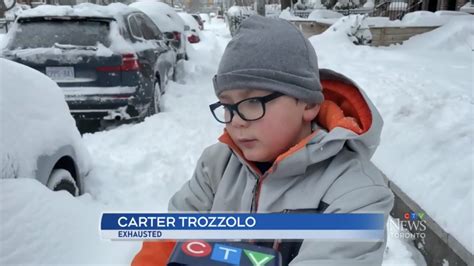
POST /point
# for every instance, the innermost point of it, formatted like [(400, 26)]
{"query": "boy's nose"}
[(237, 121)]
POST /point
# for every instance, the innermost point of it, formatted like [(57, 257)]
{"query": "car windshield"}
[(60, 33)]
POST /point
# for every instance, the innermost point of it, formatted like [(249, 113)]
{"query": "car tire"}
[(155, 103), (61, 179)]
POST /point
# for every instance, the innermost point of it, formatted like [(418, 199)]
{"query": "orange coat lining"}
[(343, 106)]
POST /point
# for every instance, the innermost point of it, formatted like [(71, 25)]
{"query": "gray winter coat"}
[(332, 167)]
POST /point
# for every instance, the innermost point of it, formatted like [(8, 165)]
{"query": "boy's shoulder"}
[(355, 175)]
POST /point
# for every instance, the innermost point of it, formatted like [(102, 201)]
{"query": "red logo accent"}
[(196, 248), (406, 215)]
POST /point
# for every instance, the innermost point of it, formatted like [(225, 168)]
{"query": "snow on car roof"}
[(189, 20), (164, 16), (81, 10)]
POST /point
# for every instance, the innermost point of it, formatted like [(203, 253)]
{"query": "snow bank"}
[(347, 31), (456, 35), (45, 227), (319, 14), (35, 121), (424, 91), (426, 18)]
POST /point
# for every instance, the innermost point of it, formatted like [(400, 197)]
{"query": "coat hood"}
[(347, 115)]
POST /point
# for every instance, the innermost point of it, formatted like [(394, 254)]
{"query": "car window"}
[(45, 34), (153, 26), (135, 27), (149, 30)]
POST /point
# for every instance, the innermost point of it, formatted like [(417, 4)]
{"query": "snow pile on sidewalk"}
[(38, 226), (423, 90)]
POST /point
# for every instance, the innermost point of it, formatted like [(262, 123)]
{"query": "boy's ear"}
[(310, 112)]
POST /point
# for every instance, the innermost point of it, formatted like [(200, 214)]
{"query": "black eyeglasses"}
[(249, 109)]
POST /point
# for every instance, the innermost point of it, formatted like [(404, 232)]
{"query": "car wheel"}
[(155, 103), (61, 179)]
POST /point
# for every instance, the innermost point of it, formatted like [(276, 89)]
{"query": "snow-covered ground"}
[(423, 90)]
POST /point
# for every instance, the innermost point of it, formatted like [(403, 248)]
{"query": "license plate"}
[(60, 73)]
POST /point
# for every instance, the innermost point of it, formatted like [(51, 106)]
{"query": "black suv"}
[(112, 62)]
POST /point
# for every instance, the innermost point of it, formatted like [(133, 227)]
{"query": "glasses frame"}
[(234, 108)]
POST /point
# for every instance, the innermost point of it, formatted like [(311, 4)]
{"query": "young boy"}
[(296, 137)]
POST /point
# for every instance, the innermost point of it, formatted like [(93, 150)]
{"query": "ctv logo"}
[(224, 253), (413, 216), (412, 226)]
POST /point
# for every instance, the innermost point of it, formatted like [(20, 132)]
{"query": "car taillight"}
[(129, 63), (177, 35), (193, 39)]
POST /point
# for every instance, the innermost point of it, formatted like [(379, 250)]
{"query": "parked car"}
[(205, 17), (112, 62), (169, 22), (199, 20), (39, 137), (190, 22)]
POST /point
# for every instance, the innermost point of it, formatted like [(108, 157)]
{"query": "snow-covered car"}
[(39, 138), (194, 28), (205, 17), (112, 62), (199, 20), (168, 21)]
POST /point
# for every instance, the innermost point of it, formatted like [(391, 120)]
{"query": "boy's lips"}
[(247, 143)]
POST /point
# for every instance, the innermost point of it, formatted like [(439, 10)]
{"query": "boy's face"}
[(285, 123)]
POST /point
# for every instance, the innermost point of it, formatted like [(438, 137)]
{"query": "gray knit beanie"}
[(270, 54)]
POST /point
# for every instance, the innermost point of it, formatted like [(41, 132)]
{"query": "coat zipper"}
[(256, 192)]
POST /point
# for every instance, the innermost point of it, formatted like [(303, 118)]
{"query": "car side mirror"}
[(186, 28)]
